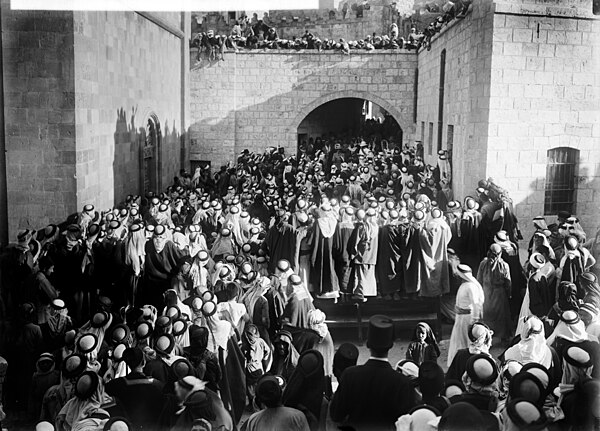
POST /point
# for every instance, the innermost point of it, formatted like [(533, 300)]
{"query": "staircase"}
[(405, 313)]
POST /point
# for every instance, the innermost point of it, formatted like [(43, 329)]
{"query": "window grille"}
[(561, 175)]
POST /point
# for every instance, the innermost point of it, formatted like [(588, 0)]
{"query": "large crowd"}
[(257, 34), (194, 309)]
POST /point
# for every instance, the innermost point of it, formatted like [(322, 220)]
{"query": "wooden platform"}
[(405, 313)]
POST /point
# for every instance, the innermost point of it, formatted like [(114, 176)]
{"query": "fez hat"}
[(345, 356), (380, 333)]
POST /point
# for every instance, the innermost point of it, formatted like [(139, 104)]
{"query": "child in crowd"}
[(423, 346)]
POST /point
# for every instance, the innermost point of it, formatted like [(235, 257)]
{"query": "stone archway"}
[(291, 137)]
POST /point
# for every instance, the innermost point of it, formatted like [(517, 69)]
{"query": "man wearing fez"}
[(373, 396)]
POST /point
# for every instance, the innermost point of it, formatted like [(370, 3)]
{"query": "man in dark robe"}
[(161, 265), (412, 255), (138, 395), (470, 232), (282, 242), (322, 274), (389, 265), (341, 258)]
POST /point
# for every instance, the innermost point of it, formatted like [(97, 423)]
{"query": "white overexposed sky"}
[(164, 5)]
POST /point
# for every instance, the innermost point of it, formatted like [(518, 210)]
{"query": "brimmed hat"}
[(86, 385), (164, 344), (482, 369), (87, 343)]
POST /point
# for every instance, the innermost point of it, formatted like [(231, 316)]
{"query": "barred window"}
[(430, 141), (561, 174)]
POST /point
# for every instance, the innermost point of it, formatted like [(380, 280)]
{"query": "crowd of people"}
[(257, 34), (195, 309)]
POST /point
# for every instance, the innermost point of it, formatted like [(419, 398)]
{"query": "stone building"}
[(100, 105)]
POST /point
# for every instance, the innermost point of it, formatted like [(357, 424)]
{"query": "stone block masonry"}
[(545, 71), (39, 116), (258, 99), (80, 87)]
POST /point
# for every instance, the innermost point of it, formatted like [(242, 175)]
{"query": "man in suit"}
[(139, 396), (373, 396)]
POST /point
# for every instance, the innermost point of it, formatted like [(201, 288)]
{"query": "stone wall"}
[(140, 75), (79, 89), (39, 109), (258, 99), (545, 93), (467, 44)]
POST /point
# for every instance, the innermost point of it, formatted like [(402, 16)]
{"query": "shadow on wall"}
[(586, 208), (135, 167)]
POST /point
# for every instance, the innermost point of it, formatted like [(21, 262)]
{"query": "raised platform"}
[(405, 313)]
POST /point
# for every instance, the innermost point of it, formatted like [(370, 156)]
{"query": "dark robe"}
[(541, 292), (412, 259), (341, 236), (282, 242), (233, 383), (459, 365), (472, 243), (159, 269), (322, 274), (389, 265)]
